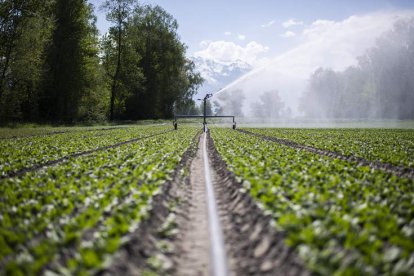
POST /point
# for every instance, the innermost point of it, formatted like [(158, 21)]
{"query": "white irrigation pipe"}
[(218, 254)]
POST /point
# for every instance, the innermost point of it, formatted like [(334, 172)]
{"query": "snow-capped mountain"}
[(218, 74)]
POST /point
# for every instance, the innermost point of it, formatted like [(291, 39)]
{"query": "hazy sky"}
[(274, 26), (283, 41)]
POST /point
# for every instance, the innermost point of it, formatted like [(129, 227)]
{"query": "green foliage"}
[(38, 150), (189, 107), (93, 105), (54, 68), (71, 218), (341, 219), (151, 70), (25, 29), (129, 75), (394, 146), (72, 64), (118, 12), (51, 68)]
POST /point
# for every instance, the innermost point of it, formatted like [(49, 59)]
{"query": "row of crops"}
[(31, 131), (45, 148), (341, 218), (394, 146), (71, 217)]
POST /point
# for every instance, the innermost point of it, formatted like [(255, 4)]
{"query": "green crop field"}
[(341, 218), (386, 145), (107, 192), (71, 197)]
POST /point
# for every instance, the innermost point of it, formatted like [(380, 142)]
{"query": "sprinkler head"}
[(208, 96)]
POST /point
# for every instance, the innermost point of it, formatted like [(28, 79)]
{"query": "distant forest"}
[(380, 86), (55, 67)]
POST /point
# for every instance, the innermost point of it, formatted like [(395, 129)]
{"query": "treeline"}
[(381, 86), (55, 67)]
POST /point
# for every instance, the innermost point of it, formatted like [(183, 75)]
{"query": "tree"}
[(380, 87), (230, 103), (129, 77), (169, 77), (25, 28), (53, 68), (391, 66), (118, 12), (11, 15), (321, 95), (94, 101), (355, 94), (187, 107), (72, 62), (270, 105)]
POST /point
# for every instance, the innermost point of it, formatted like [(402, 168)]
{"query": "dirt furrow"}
[(254, 247), (252, 244), (74, 155), (194, 246), (386, 167)]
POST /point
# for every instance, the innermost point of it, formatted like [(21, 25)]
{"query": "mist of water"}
[(281, 91)]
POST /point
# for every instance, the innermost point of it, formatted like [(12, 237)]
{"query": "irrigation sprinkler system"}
[(204, 116)]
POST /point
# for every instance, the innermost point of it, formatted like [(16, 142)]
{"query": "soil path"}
[(252, 246), (195, 247)]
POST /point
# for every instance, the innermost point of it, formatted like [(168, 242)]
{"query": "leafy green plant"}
[(74, 216), (342, 219), (395, 146), (20, 153)]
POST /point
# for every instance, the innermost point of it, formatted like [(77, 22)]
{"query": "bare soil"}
[(193, 248)]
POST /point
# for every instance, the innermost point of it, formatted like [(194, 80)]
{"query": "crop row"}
[(73, 216), (385, 145), (16, 154), (340, 218), (26, 132)]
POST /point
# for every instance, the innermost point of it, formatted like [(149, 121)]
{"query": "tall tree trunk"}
[(6, 64), (116, 76), (15, 24), (3, 73)]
